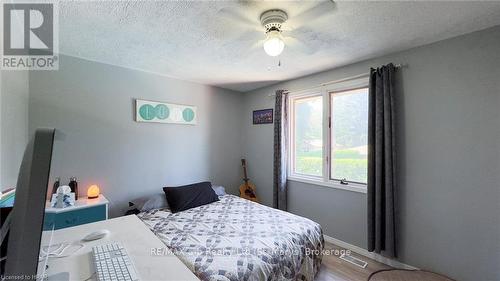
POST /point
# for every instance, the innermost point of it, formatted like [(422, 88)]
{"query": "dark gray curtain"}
[(280, 150), (381, 162)]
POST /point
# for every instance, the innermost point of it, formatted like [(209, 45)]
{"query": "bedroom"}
[(209, 57)]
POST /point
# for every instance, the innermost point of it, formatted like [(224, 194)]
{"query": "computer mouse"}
[(96, 235)]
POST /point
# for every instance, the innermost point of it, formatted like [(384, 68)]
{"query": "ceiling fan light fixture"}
[(272, 20), (274, 44)]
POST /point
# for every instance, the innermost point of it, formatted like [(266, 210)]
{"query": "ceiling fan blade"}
[(298, 46), (250, 35), (257, 45), (234, 18), (244, 44), (312, 14)]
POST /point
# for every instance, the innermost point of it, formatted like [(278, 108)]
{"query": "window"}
[(349, 135), (329, 136), (308, 136)]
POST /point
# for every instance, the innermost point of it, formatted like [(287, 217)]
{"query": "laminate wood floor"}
[(335, 269)]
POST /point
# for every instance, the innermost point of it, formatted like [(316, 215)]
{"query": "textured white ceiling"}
[(217, 42)]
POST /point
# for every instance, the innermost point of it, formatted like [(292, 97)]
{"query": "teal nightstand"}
[(84, 211)]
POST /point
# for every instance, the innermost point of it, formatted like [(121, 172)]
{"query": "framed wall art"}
[(162, 112), (263, 116)]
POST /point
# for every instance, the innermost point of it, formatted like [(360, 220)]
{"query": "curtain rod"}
[(399, 65)]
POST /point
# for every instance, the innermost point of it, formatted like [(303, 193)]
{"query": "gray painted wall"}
[(449, 154), (92, 105), (14, 93)]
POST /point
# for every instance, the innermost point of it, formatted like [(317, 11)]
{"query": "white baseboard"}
[(364, 252)]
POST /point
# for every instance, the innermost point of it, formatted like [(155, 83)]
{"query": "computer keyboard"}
[(113, 263)]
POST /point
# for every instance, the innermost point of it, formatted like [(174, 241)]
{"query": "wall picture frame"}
[(263, 116), (163, 112)]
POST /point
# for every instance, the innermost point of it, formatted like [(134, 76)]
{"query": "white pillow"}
[(219, 190), (155, 201)]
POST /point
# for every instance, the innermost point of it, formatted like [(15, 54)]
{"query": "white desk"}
[(135, 237)]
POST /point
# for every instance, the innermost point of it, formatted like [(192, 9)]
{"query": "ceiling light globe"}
[(274, 45)]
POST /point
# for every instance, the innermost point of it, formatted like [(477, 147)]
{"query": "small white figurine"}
[(63, 197)]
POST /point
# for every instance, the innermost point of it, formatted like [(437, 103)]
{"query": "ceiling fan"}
[(272, 21), (277, 29)]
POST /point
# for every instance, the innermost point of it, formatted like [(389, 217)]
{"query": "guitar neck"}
[(244, 164)]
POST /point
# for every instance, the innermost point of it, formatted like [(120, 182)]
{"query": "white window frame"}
[(325, 92)]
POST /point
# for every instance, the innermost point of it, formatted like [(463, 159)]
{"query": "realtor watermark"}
[(30, 33), (23, 277), (248, 251)]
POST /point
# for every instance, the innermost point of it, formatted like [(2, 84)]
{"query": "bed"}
[(237, 239)]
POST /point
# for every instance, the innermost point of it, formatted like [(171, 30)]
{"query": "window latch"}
[(344, 181)]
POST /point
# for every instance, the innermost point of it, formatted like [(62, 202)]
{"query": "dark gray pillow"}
[(185, 197)]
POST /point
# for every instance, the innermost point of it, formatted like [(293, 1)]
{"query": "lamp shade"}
[(274, 45), (93, 191)]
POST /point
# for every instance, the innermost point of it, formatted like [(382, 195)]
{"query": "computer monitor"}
[(29, 208)]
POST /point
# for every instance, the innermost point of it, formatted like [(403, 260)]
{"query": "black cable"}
[(403, 269)]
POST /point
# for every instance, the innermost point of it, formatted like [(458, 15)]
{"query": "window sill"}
[(360, 188)]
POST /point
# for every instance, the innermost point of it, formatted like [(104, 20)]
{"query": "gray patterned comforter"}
[(237, 239)]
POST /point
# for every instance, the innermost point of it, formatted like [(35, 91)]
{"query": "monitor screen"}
[(27, 244)]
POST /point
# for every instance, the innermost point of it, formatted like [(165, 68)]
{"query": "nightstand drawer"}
[(75, 217)]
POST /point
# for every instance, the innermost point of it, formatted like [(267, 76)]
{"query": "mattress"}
[(237, 239)]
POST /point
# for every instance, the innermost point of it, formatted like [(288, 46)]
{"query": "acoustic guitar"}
[(247, 189)]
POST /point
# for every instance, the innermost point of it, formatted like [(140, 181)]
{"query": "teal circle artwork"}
[(147, 112), (188, 114), (162, 111)]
